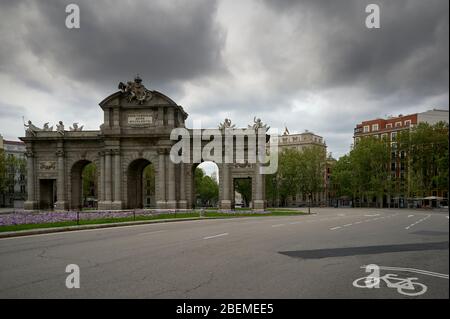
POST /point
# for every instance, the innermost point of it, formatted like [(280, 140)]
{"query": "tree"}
[(311, 171), (3, 175), (207, 189), (426, 147), (89, 181), (11, 167), (342, 177), (288, 178), (244, 187)]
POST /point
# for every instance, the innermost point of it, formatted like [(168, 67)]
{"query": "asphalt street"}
[(313, 256)]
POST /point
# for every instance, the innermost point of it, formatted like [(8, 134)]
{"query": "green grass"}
[(209, 214)]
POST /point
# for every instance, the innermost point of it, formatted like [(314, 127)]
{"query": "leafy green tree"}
[(11, 168), (288, 175), (342, 180), (89, 181), (244, 187), (3, 175), (207, 189), (427, 149), (311, 171)]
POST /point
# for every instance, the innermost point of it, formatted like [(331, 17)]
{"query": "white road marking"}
[(359, 222), (419, 271), (417, 222), (215, 236), (373, 215), (277, 225), (346, 225), (410, 216), (151, 232), (334, 228)]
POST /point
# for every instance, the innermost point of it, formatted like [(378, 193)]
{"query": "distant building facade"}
[(388, 129), (14, 193)]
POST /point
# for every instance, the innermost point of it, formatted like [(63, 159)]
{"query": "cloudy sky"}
[(305, 64)]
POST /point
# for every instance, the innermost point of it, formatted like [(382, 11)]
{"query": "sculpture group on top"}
[(136, 90), (32, 129)]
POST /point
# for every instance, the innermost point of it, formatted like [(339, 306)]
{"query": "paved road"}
[(316, 256)]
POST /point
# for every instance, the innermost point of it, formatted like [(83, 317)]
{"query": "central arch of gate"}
[(131, 155)]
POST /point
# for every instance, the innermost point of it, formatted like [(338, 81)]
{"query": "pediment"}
[(135, 95)]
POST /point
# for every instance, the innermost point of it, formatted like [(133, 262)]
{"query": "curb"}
[(39, 231)]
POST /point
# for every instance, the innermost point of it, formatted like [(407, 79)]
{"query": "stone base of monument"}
[(225, 204), (104, 205), (30, 205), (116, 205), (61, 205), (161, 204), (171, 204), (259, 204), (182, 204)]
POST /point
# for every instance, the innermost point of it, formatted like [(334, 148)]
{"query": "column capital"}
[(59, 153), (29, 153), (115, 152)]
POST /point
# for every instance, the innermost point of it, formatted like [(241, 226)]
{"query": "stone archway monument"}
[(140, 127)]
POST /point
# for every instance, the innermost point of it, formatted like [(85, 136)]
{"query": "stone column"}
[(160, 116), (258, 202), (117, 204), (161, 201), (225, 203), (171, 196), (61, 184), (183, 202), (101, 184), (170, 116), (180, 119), (108, 180), (31, 202)]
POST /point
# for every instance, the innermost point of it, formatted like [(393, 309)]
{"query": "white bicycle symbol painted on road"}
[(406, 286)]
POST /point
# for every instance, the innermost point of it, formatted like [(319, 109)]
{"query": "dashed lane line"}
[(215, 236), (417, 222)]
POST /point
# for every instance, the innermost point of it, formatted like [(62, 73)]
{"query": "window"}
[(389, 125), (398, 124), (393, 136), (22, 189), (366, 129), (393, 166), (374, 127), (408, 123), (384, 136)]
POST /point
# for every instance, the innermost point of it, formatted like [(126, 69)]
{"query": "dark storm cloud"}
[(309, 64), (409, 52), (164, 41)]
